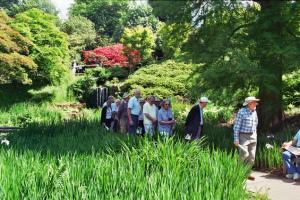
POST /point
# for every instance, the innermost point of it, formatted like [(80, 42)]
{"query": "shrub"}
[(163, 80), (50, 50), (15, 64), (139, 38), (113, 55), (119, 72), (291, 88), (83, 87), (100, 74)]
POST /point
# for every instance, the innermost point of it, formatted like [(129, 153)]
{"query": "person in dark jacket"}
[(107, 112), (195, 120)]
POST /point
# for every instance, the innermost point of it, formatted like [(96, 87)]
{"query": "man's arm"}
[(189, 116), (237, 128), (288, 144)]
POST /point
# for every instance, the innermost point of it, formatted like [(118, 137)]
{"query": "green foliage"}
[(50, 44), (139, 38), (136, 15), (170, 11), (104, 14), (100, 74), (15, 65), (291, 88), (120, 73), (23, 5), (80, 159), (83, 87), (166, 79), (173, 37), (243, 47), (81, 34)]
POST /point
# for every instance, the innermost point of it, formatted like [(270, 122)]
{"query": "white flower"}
[(270, 136), (268, 146), (5, 141)]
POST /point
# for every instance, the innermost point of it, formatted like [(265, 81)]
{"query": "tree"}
[(246, 47), (111, 56), (136, 15), (6, 4), (82, 35), (167, 10), (17, 6), (277, 36), (139, 38), (15, 64), (104, 14), (173, 37), (50, 50)]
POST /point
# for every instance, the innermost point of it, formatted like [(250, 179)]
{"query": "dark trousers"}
[(108, 123), (132, 128), (141, 126), (198, 134)]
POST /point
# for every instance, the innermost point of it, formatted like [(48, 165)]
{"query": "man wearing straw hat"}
[(245, 131)]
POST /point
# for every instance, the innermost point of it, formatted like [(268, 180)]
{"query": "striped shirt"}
[(246, 122)]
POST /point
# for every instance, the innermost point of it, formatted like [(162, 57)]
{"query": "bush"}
[(119, 72), (111, 56), (100, 74), (83, 87), (163, 80), (291, 88), (50, 50), (139, 38), (15, 64)]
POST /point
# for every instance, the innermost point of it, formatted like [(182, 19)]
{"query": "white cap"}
[(204, 100), (249, 99)]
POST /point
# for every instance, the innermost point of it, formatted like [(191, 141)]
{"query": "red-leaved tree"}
[(114, 55)]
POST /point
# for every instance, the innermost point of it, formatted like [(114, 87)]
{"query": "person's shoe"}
[(296, 176), (289, 176), (251, 178)]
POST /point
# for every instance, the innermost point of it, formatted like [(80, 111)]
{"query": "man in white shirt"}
[(149, 111)]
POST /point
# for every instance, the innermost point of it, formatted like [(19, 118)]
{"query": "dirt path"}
[(277, 188)]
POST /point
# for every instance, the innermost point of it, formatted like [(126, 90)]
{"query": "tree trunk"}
[(269, 31)]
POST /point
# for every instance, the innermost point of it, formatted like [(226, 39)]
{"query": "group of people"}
[(138, 116), (135, 115)]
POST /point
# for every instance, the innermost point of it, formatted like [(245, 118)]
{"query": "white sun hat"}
[(249, 99), (204, 100)]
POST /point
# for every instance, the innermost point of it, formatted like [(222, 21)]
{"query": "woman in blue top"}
[(293, 172), (165, 119)]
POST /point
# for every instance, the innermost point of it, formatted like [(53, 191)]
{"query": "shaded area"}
[(80, 137)]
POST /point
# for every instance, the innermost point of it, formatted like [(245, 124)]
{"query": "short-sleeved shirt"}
[(114, 107), (108, 112), (134, 105), (151, 110), (297, 138), (246, 122), (164, 115)]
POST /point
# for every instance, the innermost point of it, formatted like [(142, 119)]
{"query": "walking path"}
[(277, 188)]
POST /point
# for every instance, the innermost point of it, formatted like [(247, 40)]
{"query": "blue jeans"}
[(290, 167), (132, 128), (149, 130)]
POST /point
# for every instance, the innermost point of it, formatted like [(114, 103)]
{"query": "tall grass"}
[(79, 160)]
